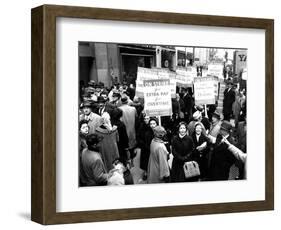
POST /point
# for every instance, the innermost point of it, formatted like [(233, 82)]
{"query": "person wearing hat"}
[(229, 98), (109, 144), (125, 95), (93, 168), (216, 124), (222, 158), (197, 117), (114, 98), (101, 105), (241, 157), (201, 152), (104, 105), (91, 91), (92, 83), (131, 90), (144, 137), (129, 117), (86, 96), (158, 168), (94, 120), (204, 120), (188, 105), (138, 105)]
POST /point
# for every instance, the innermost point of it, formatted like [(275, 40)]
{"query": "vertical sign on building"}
[(240, 61)]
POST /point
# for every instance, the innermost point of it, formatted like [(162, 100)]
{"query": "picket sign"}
[(157, 98), (205, 90), (144, 74), (215, 70), (185, 76)]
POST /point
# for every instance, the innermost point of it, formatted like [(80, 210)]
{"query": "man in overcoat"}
[(229, 98)]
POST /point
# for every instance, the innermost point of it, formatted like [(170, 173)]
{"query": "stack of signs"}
[(215, 70), (157, 97), (205, 90), (185, 76)]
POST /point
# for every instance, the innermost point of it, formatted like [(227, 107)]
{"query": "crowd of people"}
[(114, 129)]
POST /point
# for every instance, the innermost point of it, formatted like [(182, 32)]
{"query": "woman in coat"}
[(108, 145), (182, 147), (92, 164), (83, 134), (144, 138), (201, 150), (158, 169)]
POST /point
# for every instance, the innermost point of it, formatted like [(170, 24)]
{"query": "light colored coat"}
[(94, 121), (129, 119), (158, 167)]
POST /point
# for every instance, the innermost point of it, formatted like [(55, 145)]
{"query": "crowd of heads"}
[(96, 96)]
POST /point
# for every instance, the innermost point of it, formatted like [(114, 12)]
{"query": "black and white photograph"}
[(161, 114)]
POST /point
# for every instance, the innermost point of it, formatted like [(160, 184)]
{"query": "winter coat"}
[(93, 168), (201, 156), (158, 168), (229, 98), (108, 145), (221, 161), (123, 142), (129, 118), (144, 138), (182, 149)]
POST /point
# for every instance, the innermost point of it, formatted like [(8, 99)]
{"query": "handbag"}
[(191, 169)]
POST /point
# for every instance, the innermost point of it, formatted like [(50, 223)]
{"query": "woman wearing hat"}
[(92, 165), (109, 135), (182, 147), (201, 149), (158, 169), (144, 137), (215, 125), (222, 158), (197, 117)]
